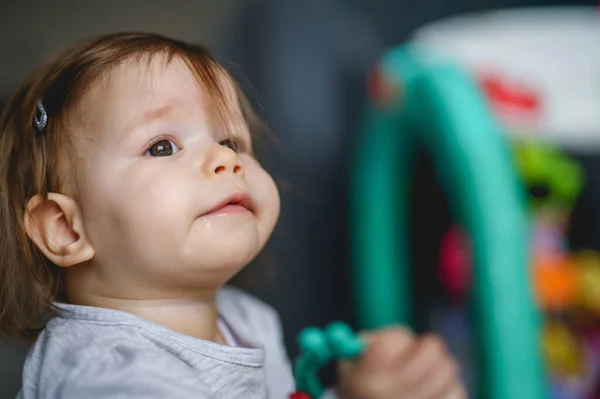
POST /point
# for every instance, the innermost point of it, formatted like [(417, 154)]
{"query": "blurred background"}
[(305, 64)]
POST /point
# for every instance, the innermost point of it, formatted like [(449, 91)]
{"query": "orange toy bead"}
[(555, 282)]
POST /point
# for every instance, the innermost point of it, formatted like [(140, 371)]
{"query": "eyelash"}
[(158, 140), (236, 144)]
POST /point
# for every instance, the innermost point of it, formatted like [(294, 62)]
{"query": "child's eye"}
[(231, 143), (162, 148)]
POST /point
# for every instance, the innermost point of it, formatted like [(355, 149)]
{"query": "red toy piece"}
[(511, 99), (382, 91), (300, 395), (455, 263)]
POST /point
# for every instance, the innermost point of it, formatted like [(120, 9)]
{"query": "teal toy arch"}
[(442, 107)]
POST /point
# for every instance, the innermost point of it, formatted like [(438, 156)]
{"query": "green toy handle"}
[(319, 347), (443, 108)]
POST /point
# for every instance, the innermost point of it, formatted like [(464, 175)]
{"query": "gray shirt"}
[(102, 353)]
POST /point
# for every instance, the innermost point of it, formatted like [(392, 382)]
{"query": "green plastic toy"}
[(320, 347), (553, 178), (440, 106)]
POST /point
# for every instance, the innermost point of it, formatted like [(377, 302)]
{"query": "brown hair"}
[(29, 159)]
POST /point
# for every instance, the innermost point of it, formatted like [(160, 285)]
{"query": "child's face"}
[(153, 165)]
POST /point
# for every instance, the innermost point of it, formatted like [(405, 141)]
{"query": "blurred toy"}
[(564, 281), (555, 280), (553, 179), (589, 281), (510, 98), (501, 251), (563, 353), (455, 263), (553, 182), (319, 347), (414, 101), (561, 280)]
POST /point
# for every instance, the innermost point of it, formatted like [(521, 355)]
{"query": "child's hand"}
[(398, 365)]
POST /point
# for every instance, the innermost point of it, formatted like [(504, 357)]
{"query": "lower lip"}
[(228, 209)]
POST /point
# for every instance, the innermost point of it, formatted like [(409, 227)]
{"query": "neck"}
[(195, 316)]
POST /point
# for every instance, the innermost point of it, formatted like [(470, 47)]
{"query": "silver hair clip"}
[(41, 122)]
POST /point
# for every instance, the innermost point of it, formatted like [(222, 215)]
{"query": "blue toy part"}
[(318, 347)]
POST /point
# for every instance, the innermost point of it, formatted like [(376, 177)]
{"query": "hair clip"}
[(41, 122)]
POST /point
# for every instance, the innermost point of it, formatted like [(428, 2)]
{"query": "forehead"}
[(138, 86)]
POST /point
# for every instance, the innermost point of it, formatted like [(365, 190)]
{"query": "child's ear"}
[(55, 225)]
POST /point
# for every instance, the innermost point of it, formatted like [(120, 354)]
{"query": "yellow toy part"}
[(563, 355), (589, 281)]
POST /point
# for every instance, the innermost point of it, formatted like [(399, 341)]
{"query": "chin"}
[(232, 262), (224, 249), (228, 256)]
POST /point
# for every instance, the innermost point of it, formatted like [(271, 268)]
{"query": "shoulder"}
[(68, 360)]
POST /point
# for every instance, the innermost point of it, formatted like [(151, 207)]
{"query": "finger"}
[(384, 348), (372, 374), (441, 380), (455, 392), (423, 361), (369, 335), (354, 382)]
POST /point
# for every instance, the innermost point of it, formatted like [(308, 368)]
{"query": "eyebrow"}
[(147, 117), (153, 114)]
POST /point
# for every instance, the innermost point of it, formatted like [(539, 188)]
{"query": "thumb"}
[(346, 367), (385, 348), (377, 347)]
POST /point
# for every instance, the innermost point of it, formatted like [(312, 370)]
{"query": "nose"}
[(222, 160)]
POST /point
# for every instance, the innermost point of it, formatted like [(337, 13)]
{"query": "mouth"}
[(237, 203)]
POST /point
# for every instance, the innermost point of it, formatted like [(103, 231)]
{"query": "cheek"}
[(267, 198), (138, 211)]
